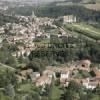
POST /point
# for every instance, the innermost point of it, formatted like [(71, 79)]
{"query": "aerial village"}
[(49, 51), (26, 32), (29, 29), (64, 74)]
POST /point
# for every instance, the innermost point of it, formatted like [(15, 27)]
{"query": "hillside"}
[(93, 6), (4, 67), (6, 19), (84, 29)]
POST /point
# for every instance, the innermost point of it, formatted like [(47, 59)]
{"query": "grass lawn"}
[(26, 87), (55, 93)]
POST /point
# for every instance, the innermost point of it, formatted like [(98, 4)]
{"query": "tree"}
[(72, 92), (93, 1), (3, 97), (71, 95), (11, 61), (7, 78), (37, 64), (97, 90), (9, 90), (74, 86)]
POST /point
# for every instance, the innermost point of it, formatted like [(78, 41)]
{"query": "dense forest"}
[(55, 11), (65, 52), (79, 11)]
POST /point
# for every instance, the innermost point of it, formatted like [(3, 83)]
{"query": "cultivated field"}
[(84, 29), (93, 6)]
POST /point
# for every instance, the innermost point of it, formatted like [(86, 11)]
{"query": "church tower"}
[(33, 15)]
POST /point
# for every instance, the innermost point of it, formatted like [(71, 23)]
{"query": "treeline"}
[(88, 50), (67, 1), (25, 11), (6, 56), (74, 1), (81, 12), (51, 10)]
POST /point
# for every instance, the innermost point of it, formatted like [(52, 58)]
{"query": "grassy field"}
[(26, 88), (52, 31), (3, 68), (41, 43), (84, 29), (55, 93)]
